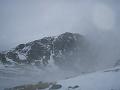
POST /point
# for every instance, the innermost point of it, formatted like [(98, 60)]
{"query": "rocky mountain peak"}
[(62, 48)]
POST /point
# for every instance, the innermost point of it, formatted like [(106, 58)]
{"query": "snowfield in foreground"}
[(108, 79), (102, 80)]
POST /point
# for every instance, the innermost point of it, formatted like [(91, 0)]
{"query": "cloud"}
[(23, 21)]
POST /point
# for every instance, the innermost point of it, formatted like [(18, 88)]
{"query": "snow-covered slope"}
[(102, 80)]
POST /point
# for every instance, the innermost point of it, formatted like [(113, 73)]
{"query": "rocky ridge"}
[(62, 49)]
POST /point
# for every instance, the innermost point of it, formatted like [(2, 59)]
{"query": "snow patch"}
[(21, 57)]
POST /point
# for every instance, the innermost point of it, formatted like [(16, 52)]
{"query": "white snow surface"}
[(21, 56), (108, 79), (102, 80)]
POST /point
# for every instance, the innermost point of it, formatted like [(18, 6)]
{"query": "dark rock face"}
[(38, 52), (2, 58), (20, 47), (55, 87), (67, 48), (66, 42), (62, 48), (73, 87), (13, 56)]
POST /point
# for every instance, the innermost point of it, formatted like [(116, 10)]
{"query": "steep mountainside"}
[(63, 49)]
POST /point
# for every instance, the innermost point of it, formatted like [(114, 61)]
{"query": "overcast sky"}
[(26, 20)]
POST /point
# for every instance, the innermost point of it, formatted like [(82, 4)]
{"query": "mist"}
[(23, 21), (98, 21)]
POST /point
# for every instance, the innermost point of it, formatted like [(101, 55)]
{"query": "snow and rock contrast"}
[(63, 62), (62, 49), (101, 80)]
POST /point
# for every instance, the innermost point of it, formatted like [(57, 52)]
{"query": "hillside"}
[(101, 80)]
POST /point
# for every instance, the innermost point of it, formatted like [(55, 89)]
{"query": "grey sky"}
[(26, 20)]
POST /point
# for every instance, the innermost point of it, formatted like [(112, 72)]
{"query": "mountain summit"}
[(62, 49)]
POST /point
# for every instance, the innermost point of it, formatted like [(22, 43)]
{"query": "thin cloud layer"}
[(27, 20)]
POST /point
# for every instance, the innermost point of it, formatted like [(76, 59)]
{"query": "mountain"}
[(63, 49), (66, 51)]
